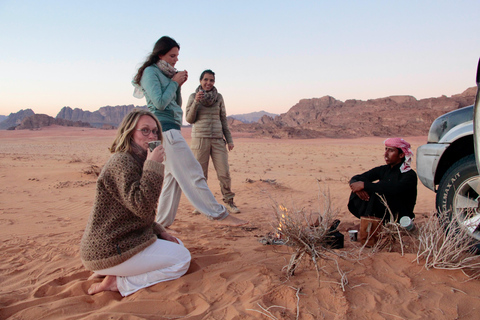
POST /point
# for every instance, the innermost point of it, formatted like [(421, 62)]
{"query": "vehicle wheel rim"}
[(465, 206)]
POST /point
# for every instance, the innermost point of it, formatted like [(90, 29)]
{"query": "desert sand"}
[(47, 190)]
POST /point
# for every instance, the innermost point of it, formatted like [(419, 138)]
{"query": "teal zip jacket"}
[(163, 96)]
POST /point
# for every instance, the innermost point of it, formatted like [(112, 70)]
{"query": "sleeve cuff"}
[(154, 166)]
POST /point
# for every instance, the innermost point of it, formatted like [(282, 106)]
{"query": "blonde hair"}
[(124, 138)]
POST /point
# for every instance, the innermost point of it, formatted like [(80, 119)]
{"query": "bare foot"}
[(232, 221), (108, 284), (95, 276)]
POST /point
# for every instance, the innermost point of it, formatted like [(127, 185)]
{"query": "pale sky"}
[(267, 55)]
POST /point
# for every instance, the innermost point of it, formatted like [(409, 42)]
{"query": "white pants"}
[(162, 261), (184, 173)]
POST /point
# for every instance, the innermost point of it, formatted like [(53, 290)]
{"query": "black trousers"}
[(371, 208)]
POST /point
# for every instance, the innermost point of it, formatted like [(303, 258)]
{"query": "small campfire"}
[(282, 219), (277, 237)]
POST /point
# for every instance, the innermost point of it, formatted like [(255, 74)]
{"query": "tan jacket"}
[(208, 122)]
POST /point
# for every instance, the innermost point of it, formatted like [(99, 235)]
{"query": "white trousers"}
[(162, 261), (184, 173)]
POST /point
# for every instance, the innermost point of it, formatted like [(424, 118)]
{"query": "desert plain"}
[(46, 194)]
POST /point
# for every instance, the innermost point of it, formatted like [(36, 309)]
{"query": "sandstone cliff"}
[(14, 119), (328, 117), (309, 118), (105, 116), (252, 116), (37, 121)]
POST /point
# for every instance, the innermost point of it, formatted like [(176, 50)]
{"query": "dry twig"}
[(390, 232), (391, 235), (445, 244), (309, 234), (298, 299), (266, 311)]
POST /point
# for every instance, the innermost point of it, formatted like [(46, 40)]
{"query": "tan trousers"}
[(203, 149)]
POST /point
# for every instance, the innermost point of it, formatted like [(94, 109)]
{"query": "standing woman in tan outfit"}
[(210, 133)]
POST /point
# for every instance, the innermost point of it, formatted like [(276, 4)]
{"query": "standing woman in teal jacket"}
[(160, 83)]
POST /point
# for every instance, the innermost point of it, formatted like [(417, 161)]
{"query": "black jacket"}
[(399, 189)]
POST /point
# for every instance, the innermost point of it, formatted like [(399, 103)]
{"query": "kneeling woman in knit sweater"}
[(122, 241)]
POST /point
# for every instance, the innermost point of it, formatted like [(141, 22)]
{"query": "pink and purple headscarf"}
[(406, 148)]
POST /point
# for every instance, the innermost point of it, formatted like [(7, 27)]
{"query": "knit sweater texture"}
[(208, 122), (122, 221), (163, 97)]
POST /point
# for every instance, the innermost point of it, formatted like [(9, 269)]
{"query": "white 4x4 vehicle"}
[(448, 161)]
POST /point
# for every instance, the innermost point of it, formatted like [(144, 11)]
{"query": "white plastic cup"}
[(407, 223), (353, 235)]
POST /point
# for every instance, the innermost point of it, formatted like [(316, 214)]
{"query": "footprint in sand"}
[(64, 284), (7, 221)]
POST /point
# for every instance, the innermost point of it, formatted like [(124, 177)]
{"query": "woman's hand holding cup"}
[(180, 77), (157, 154), (199, 96)]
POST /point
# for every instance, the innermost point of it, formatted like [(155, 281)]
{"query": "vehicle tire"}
[(459, 191)]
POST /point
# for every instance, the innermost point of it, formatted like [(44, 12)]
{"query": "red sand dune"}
[(47, 192)]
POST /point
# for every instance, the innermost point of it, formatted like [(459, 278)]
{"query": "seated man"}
[(396, 181)]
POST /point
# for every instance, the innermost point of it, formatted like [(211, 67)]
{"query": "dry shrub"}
[(75, 159), (308, 234), (270, 182), (392, 236), (444, 244), (92, 169)]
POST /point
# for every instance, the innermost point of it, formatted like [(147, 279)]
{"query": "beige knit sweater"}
[(122, 221), (208, 122)]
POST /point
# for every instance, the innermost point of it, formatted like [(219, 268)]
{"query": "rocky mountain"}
[(252, 116), (328, 117), (37, 121), (105, 117), (110, 116), (3, 118), (14, 119), (309, 118)]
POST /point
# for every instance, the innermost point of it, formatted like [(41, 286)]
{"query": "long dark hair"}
[(162, 47)]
